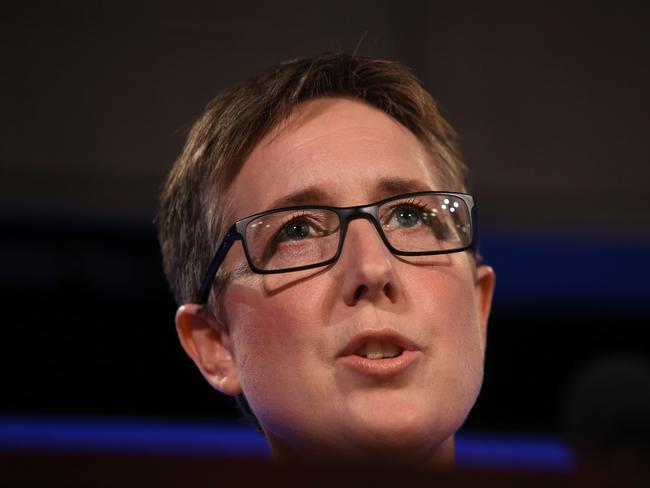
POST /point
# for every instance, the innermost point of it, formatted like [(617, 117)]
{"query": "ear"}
[(484, 286), (208, 343)]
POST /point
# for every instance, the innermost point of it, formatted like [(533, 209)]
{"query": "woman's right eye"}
[(295, 230)]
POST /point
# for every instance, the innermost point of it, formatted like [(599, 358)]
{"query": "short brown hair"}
[(192, 209)]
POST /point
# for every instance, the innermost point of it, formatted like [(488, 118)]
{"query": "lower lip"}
[(381, 368)]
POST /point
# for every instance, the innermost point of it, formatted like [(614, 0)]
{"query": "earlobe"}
[(207, 343), (484, 285)]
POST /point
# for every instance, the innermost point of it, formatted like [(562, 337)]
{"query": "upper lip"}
[(386, 335)]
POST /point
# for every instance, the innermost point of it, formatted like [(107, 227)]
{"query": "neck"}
[(440, 456)]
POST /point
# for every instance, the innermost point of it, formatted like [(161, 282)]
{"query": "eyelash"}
[(273, 242), (288, 220), (411, 202)]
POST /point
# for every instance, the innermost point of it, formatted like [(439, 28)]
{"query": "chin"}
[(390, 434), (400, 446), (412, 430)]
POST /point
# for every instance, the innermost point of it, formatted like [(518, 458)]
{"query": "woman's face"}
[(376, 353)]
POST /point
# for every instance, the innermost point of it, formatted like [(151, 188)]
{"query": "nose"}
[(367, 265)]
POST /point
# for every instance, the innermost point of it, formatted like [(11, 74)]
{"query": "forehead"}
[(332, 151)]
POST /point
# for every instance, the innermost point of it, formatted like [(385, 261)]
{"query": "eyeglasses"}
[(297, 238)]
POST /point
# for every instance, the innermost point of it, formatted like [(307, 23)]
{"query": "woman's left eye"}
[(406, 216)]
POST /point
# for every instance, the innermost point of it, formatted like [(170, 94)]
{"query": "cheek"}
[(272, 344), (463, 332), (466, 347), (456, 340)]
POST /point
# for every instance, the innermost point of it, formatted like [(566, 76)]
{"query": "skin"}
[(281, 338)]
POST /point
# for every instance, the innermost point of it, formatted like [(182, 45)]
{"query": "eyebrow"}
[(385, 187), (310, 195)]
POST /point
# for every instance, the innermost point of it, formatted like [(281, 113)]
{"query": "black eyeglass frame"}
[(369, 212)]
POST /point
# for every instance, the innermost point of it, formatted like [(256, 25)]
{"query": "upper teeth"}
[(379, 350)]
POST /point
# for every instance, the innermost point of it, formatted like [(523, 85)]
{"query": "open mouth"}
[(380, 354), (378, 349), (378, 344)]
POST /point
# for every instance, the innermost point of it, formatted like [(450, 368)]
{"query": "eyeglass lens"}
[(422, 223)]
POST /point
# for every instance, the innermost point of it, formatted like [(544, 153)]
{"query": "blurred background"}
[(552, 104)]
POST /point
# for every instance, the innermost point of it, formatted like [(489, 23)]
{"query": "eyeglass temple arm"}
[(204, 292), (474, 245)]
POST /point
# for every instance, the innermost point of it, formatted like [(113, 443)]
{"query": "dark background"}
[(552, 103)]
